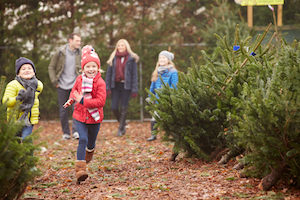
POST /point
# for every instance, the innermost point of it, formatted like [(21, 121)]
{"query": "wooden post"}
[(279, 15), (250, 16)]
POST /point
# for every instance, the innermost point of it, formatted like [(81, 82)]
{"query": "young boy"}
[(25, 88)]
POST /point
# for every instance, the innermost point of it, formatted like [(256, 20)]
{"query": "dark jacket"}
[(57, 64), (130, 74)]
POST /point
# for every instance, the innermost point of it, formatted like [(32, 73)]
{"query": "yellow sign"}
[(261, 2)]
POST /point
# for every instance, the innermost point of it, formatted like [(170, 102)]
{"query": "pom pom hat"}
[(167, 54), (89, 55), (21, 61)]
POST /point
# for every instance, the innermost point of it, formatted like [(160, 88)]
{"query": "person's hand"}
[(68, 103), (21, 95), (78, 96), (108, 92), (134, 94)]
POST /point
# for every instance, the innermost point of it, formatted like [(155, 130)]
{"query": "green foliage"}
[(35, 29), (222, 19), (269, 124), (196, 115), (238, 100), (149, 26), (17, 162), (193, 116)]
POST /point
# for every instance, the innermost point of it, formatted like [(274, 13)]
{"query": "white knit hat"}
[(167, 54)]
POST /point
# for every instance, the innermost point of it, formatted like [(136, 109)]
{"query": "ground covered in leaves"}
[(129, 167)]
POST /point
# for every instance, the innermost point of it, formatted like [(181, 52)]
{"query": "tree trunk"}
[(271, 179), (230, 154), (217, 153)]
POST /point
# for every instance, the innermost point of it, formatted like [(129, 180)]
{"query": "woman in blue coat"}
[(166, 69)]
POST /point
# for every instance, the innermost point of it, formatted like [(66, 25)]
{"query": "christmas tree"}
[(246, 98), (17, 162), (269, 126), (194, 116)]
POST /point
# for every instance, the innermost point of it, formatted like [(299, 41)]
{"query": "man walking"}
[(63, 69)]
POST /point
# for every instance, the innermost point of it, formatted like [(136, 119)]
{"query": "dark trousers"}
[(119, 96), (63, 96)]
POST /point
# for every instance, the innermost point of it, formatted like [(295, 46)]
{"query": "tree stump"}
[(271, 179)]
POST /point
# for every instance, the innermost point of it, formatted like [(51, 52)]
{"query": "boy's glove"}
[(68, 103), (21, 95)]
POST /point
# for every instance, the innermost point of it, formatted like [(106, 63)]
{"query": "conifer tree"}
[(268, 127), (195, 115), (17, 162)]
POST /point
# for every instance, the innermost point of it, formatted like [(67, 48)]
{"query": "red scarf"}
[(120, 66)]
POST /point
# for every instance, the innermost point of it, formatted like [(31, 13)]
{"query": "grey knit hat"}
[(167, 54), (21, 61)]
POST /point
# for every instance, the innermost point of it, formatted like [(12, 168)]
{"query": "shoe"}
[(80, 171), (76, 135), (122, 124), (89, 155), (153, 137), (66, 136), (121, 132)]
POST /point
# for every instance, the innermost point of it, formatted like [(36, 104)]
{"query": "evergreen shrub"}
[(17, 162), (269, 124), (195, 115), (242, 99)]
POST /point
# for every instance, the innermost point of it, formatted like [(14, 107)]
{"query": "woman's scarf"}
[(87, 87), (121, 59), (29, 96)]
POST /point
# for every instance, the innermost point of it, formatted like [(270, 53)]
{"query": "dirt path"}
[(129, 167)]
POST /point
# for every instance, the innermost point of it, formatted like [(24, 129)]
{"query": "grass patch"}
[(45, 185), (230, 178), (271, 196), (204, 174), (241, 195)]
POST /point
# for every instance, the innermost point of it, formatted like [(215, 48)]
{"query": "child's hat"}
[(89, 55), (21, 61), (167, 54)]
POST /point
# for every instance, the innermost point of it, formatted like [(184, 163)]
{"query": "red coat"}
[(98, 99)]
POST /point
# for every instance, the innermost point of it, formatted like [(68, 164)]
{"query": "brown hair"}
[(71, 36)]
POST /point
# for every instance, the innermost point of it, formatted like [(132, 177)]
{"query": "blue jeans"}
[(87, 137), (119, 96), (26, 131), (63, 96)]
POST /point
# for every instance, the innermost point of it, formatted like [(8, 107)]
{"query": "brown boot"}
[(80, 168), (89, 155)]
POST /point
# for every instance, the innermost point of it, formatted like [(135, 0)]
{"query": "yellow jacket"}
[(11, 92)]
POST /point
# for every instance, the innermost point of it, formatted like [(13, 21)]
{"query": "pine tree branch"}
[(228, 80)]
